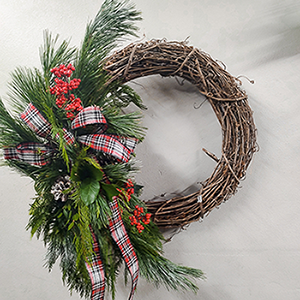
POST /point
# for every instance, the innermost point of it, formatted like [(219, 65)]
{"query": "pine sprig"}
[(52, 56), (12, 130), (123, 96), (113, 23), (127, 125), (159, 270), (28, 85)]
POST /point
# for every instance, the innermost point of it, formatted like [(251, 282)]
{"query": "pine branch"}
[(162, 271), (50, 57), (122, 96), (112, 24), (12, 130), (156, 268), (28, 85), (127, 125)]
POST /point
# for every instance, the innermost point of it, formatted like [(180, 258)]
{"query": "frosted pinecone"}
[(60, 185)]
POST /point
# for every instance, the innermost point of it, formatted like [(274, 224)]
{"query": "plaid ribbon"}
[(118, 147), (35, 121), (120, 236), (96, 272), (106, 144), (32, 153), (88, 116)]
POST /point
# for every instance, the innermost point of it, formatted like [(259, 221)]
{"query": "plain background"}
[(249, 248)]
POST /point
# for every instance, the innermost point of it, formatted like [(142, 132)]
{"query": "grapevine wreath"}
[(68, 132)]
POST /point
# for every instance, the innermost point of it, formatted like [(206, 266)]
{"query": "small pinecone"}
[(60, 185)]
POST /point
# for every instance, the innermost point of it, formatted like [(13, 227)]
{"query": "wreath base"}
[(228, 101)]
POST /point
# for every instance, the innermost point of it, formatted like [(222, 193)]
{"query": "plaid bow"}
[(121, 148), (118, 147)]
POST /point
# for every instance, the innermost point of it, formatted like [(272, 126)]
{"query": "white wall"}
[(250, 247)]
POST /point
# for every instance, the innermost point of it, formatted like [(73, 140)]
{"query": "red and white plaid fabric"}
[(129, 143), (68, 136), (96, 272), (106, 144), (90, 115), (114, 145), (35, 121), (118, 147), (32, 153), (120, 236)]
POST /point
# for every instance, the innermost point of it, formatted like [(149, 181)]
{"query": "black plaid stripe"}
[(89, 115), (120, 236), (96, 272), (106, 144), (34, 153), (33, 118), (68, 136)]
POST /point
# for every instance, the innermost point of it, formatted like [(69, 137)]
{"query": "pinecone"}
[(61, 184)]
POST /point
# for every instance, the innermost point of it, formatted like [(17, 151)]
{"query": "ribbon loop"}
[(106, 144), (35, 121), (88, 116), (32, 153)]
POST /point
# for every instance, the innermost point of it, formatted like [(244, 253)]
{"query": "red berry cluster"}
[(63, 70), (138, 217), (129, 188), (62, 90)]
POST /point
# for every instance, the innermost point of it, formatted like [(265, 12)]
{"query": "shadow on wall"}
[(171, 154), (277, 33)]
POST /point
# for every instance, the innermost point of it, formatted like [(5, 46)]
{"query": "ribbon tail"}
[(120, 236), (96, 272), (10, 153)]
